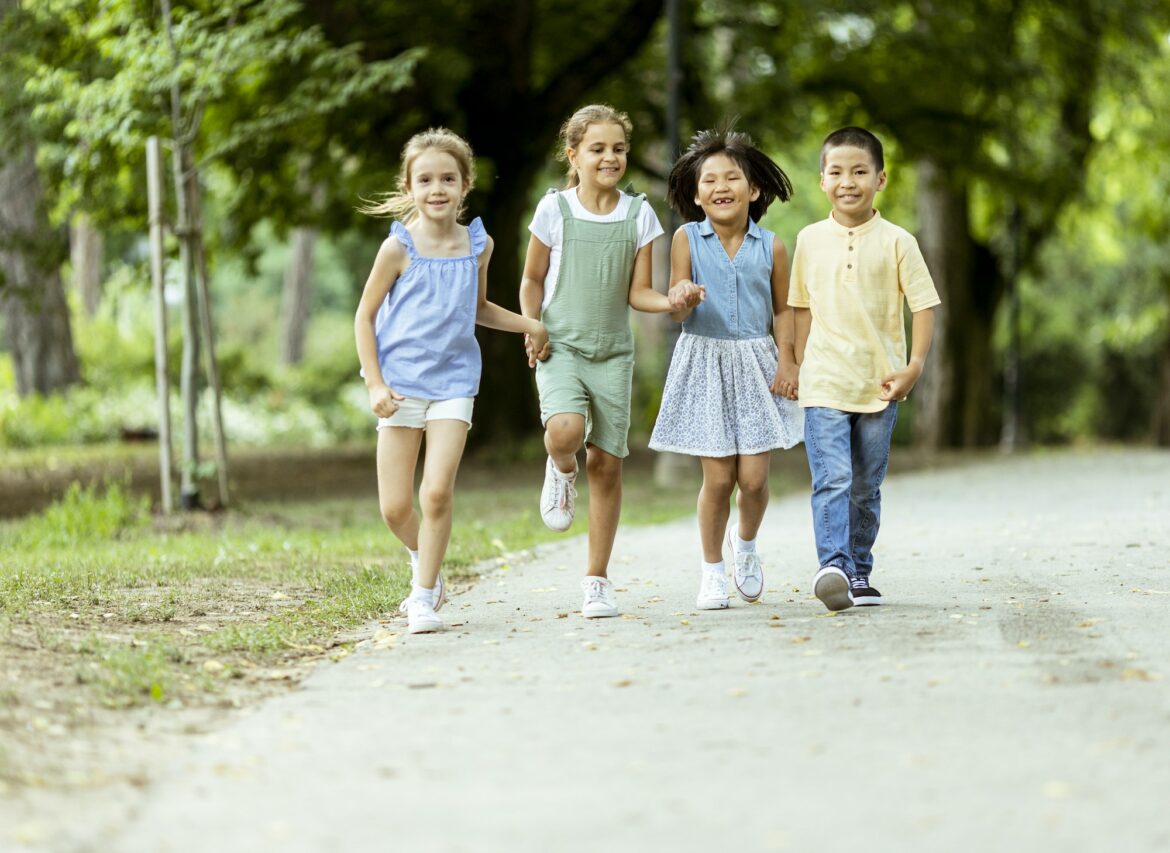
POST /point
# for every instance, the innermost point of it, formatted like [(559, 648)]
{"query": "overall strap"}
[(635, 207)]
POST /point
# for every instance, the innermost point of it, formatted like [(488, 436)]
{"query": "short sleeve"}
[(397, 229), (479, 236), (648, 225), (913, 276), (546, 221), (797, 283)]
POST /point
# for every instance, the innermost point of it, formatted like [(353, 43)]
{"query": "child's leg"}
[(752, 498), (714, 504), (827, 442), (564, 434), (870, 456), (445, 442), (397, 458), (605, 506)]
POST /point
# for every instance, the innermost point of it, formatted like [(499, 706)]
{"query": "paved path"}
[(1014, 695)]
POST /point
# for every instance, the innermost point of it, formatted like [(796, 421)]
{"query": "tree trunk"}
[(298, 295), (1162, 403), (85, 254), (33, 296)]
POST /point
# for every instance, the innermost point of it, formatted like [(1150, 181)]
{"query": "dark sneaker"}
[(863, 594), (831, 586)]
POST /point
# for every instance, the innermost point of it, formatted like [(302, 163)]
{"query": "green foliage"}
[(84, 516)]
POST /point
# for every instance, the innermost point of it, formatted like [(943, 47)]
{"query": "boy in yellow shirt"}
[(850, 273)]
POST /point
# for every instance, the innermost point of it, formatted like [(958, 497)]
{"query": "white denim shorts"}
[(414, 412)]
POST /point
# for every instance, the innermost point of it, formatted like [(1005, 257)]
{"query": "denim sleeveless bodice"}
[(739, 290)]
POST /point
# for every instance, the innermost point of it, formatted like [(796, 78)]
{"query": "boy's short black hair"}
[(858, 137), (758, 168)]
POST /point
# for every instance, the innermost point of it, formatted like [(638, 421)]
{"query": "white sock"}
[(744, 547), (419, 591), (715, 567), (413, 565)]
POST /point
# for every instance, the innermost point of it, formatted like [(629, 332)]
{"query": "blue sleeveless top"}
[(426, 326), (739, 290)]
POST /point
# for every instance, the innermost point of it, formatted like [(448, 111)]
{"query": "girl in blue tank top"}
[(731, 389), (415, 332)]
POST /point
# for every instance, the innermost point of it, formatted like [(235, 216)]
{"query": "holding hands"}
[(536, 345), (384, 400), (786, 383), (686, 295)]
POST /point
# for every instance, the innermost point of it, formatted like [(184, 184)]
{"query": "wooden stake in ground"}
[(154, 189)]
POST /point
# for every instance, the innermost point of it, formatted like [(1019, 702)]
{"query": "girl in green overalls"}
[(588, 258)]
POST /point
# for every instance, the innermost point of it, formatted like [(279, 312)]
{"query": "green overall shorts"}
[(590, 368)]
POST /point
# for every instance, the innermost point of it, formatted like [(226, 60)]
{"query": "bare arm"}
[(802, 320), (786, 382), (494, 317), (643, 296), (682, 287), (390, 262), (536, 264), (897, 385)]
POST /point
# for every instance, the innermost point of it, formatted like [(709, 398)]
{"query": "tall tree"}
[(31, 251)]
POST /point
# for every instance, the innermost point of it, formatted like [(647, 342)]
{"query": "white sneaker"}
[(749, 571), (438, 596), (831, 586), (558, 498), (420, 616), (598, 598), (713, 590)]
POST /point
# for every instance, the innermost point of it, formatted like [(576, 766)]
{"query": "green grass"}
[(134, 607)]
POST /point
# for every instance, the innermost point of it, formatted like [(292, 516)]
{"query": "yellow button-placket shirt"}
[(853, 281)]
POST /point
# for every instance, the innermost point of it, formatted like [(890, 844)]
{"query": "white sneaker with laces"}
[(438, 596), (558, 498), (713, 590), (599, 601), (421, 617), (748, 572)]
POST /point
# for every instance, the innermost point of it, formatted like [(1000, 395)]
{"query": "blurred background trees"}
[(1023, 138)]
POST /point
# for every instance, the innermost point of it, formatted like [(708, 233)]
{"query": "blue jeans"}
[(847, 454)]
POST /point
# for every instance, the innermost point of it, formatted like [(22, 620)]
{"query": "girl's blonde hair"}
[(400, 204), (573, 131)]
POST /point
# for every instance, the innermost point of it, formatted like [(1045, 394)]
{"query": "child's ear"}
[(571, 156), (881, 184), (755, 193)]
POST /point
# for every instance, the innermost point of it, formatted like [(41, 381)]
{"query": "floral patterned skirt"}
[(718, 400)]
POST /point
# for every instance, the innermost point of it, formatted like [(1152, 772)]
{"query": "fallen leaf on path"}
[(800, 639), (625, 682), (737, 693), (1089, 623), (1135, 674), (684, 621), (562, 615), (1023, 644)]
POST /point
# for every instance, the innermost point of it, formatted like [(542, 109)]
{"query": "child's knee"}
[(718, 487), (564, 433), (396, 513), (602, 466), (753, 486), (434, 500)]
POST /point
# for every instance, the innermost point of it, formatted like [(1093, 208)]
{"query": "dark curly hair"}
[(761, 172)]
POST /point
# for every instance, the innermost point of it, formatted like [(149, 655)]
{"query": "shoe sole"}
[(557, 528), (425, 629), (748, 598), (866, 602), (832, 588), (599, 614), (722, 604)]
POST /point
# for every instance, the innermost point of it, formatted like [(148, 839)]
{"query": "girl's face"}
[(600, 156), (723, 191), (436, 185)]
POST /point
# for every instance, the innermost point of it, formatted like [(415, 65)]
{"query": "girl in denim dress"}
[(730, 391)]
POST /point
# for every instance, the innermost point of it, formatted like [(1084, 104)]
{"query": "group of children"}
[(767, 356)]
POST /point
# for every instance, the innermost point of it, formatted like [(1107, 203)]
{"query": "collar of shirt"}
[(706, 229), (864, 227)]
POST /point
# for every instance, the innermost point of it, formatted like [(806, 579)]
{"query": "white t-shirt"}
[(548, 226)]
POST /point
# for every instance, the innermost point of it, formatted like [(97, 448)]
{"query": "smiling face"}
[(600, 157), (723, 190), (436, 185), (851, 180)]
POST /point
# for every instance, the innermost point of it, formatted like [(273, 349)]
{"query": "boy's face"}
[(850, 180)]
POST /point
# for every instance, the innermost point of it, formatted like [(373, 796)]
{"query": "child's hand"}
[(536, 346), (897, 385), (383, 400), (787, 380), (685, 294)]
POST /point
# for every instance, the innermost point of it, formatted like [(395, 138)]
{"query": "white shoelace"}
[(714, 585), (595, 591), (747, 567), (563, 490)]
